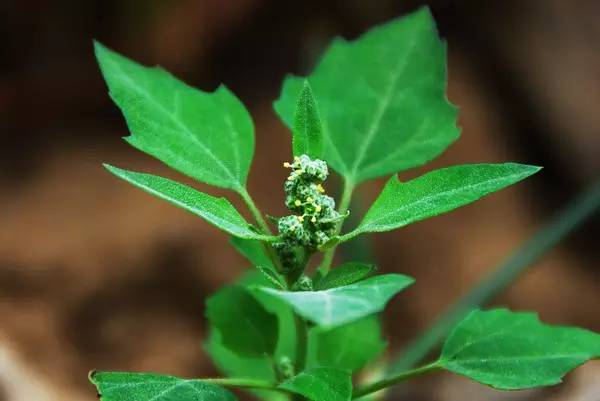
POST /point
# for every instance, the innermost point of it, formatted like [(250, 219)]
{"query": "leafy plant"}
[(372, 107)]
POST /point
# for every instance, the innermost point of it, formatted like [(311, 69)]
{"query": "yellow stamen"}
[(291, 178), (287, 165), (318, 208), (314, 219), (300, 219), (297, 202), (320, 188), (309, 199)]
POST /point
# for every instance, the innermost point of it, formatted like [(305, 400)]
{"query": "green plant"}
[(372, 107)]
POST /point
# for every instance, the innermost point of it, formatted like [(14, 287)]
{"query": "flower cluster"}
[(314, 220)]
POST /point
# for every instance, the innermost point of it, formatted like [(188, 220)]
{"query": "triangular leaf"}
[(128, 386), (510, 351), (381, 99), (308, 138), (341, 305), (402, 203), (217, 211), (233, 310), (321, 384), (207, 136), (345, 274)]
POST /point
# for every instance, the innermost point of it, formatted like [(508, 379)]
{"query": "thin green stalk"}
[(255, 211), (244, 383), (343, 208), (562, 224), (301, 343), (263, 226), (392, 380)]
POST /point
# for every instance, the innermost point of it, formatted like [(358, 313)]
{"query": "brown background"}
[(96, 274)]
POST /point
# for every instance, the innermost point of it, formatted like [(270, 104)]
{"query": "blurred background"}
[(97, 274)]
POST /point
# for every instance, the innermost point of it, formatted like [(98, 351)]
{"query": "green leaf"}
[(381, 99), (233, 310), (308, 138), (274, 278), (217, 211), (402, 203), (253, 250), (349, 347), (207, 136), (510, 351), (341, 305), (233, 364), (345, 274), (321, 384), (126, 386)]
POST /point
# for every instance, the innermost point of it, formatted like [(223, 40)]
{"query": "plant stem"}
[(255, 211), (390, 381), (301, 343), (243, 383), (343, 208), (562, 224)]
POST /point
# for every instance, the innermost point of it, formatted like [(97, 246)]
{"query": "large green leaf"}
[(381, 99), (126, 386), (260, 367), (321, 384), (217, 211), (308, 138), (402, 203), (208, 136), (233, 310), (509, 350), (349, 347), (337, 306)]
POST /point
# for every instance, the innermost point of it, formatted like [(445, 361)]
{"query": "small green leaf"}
[(207, 136), (349, 347), (217, 211), (345, 274), (321, 384), (381, 99), (253, 250), (272, 277), (127, 386), (308, 138), (341, 305), (510, 351), (233, 310), (402, 203)]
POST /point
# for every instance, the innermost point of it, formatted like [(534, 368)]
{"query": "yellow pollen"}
[(318, 208), (291, 178), (314, 219), (300, 219), (287, 165), (297, 202), (320, 188)]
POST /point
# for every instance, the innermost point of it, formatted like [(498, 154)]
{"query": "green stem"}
[(301, 343), (255, 211), (562, 224), (390, 381), (243, 383), (343, 208), (263, 226)]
